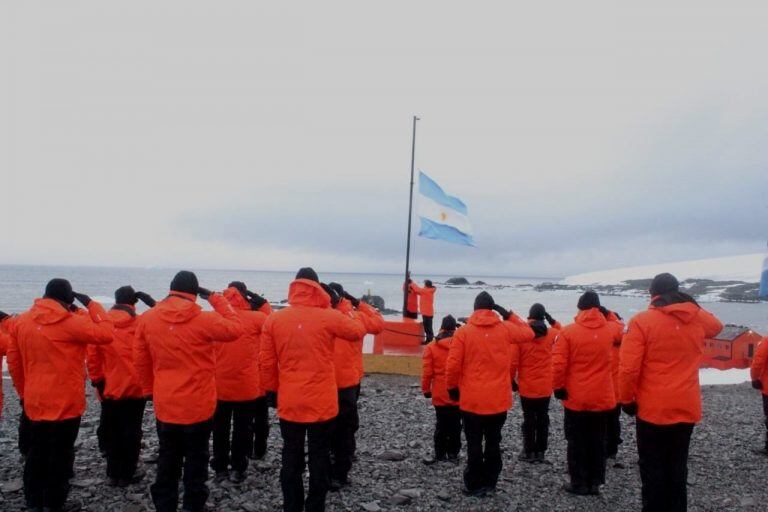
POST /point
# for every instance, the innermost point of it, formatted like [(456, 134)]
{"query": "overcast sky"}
[(232, 134)]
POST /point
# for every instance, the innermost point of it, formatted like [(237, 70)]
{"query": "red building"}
[(734, 347)]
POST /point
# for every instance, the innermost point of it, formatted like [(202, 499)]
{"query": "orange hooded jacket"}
[(113, 363), (759, 369), (237, 362), (659, 363), (618, 326), (412, 302), (426, 297), (581, 362), (348, 357), (482, 361), (175, 356), (46, 357), (296, 356), (534, 371), (433, 368)]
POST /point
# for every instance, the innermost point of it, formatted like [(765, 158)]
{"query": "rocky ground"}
[(397, 424)]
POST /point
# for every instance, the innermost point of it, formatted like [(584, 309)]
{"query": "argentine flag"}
[(763, 294), (442, 217)]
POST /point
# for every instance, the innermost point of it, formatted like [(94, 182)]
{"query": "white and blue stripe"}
[(442, 217)]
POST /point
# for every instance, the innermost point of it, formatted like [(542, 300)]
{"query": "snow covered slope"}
[(732, 268)]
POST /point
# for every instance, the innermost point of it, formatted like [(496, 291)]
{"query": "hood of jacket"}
[(178, 308), (236, 298), (120, 317), (305, 292), (443, 343), (683, 311), (591, 318), (484, 318), (48, 311)]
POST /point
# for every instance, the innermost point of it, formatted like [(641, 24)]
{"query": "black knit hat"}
[(185, 282), (664, 283), (428, 283), (307, 273), (125, 295), (449, 323), (337, 288), (537, 312), (59, 289), (484, 301), (239, 285), (589, 300)]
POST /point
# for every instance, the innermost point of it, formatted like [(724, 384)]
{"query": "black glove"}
[(255, 299), (561, 394), (204, 293), (515, 387), (146, 299), (3, 315), (272, 399), (82, 298), (629, 409), (757, 384), (503, 312), (427, 394), (549, 318), (453, 393), (99, 386), (355, 302), (332, 293)]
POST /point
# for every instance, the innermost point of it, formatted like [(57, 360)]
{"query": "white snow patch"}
[(715, 376), (745, 268)]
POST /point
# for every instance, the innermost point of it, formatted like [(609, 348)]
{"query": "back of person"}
[(237, 362), (116, 359), (581, 362), (434, 370), (662, 353), (51, 343), (348, 356), (481, 363), (175, 356), (534, 372)]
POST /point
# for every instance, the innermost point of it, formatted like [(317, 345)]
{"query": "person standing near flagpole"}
[(426, 297)]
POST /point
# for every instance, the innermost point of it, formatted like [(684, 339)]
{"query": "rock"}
[(457, 281), (411, 493), (249, 507), (414, 444), (371, 507), (374, 300), (392, 455), (399, 499), (84, 483), (480, 283), (444, 495), (11, 486), (748, 501)]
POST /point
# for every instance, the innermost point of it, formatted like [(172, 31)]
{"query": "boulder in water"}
[(457, 281)]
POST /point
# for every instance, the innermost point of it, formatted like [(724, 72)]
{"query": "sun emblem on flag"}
[(443, 216)]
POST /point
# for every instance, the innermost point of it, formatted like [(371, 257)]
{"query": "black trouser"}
[(585, 433), (121, 425), (235, 418), (765, 413), (663, 452), (182, 446), (483, 463), (447, 431), (317, 436), (50, 460), (345, 426), (260, 427), (427, 321), (410, 314), (613, 433), (535, 424), (102, 435), (24, 432)]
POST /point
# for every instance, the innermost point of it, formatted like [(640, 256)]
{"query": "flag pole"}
[(410, 213)]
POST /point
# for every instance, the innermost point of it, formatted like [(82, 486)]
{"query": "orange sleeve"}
[(347, 327), (266, 308), (758, 362), (96, 328), (15, 365), (142, 361), (712, 326), (418, 290), (223, 324), (427, 371), (515, 360), (372, 319), (268, 358), (519, 328), (94, 360), (455, 361), (558, 326), (560, 359), (631, 355)]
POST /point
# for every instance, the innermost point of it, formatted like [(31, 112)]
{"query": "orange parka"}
[(759, 368), (581, 362), (113, 363), (433, 368), (237, 362), (481, 362), (46, 357), (348, 357), (534, 371), (175, 355), (426, 299), (412, 301), (296, 357), (659, 363), (615, 323)]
